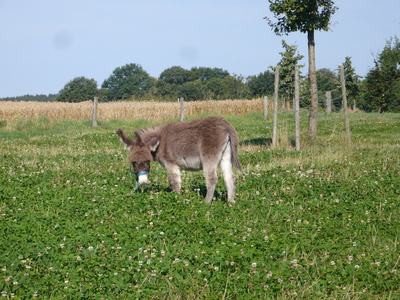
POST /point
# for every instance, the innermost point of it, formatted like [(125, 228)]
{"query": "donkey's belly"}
[(189, 163)]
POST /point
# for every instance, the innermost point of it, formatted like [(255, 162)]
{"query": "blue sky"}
[(45, 44)]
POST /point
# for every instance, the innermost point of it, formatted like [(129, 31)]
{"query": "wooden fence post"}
[(275, 124), (182, 108), (328, 103), (344, 99), (296, 105), (265, 107), (94, 121)]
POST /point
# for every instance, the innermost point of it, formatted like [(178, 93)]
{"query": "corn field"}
[(151, 110)]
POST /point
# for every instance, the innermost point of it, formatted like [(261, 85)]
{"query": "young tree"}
[(352, 81), (382, 83), (77, 90), (288, 63), (305, 16)]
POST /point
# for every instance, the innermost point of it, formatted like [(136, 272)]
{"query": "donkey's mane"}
[(145, 131)]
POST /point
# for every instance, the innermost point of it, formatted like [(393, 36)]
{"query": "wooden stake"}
[(275, 125), (328, 103), (94, 121), (182, 108), (296, 105), (344, 99), (265, 107)]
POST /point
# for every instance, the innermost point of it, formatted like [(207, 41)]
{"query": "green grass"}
[(321, 223)]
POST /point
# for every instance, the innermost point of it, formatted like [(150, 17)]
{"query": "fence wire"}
[(288, 88)]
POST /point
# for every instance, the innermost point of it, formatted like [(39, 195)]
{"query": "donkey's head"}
[(142, 149)]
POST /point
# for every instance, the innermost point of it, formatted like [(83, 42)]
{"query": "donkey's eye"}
[(143, 163)]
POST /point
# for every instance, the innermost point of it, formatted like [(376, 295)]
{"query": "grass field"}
[(320, 223)]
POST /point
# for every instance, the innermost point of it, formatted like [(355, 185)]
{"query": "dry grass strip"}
[(123, 110)]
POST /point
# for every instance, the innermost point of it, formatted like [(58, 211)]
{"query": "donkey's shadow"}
[(257, 142), (220, 193)]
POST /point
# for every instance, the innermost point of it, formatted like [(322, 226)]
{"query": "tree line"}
[(132, 82), (378, 91), (38, 98)]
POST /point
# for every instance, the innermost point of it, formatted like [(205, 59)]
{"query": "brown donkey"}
[(199, 144)]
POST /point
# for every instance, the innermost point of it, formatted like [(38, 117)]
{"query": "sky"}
[(44, 44)]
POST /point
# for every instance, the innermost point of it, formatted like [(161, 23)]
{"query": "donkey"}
[(200, 144)]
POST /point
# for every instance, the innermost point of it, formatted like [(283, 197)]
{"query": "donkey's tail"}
[(233, 136)]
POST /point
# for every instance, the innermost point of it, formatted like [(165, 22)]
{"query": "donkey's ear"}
[(153, 143), (128, 143), (137, 134)]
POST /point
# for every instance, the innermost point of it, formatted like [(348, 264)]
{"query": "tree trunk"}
[(312, 76)]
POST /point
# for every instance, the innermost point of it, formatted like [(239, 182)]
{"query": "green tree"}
[(230, 87), (126, 82), (374, 91), (262, 84), (169, 83), (191, 90), (352, 81), (382, 87), (175, 75), (305, 16), (205, 73), (288, 63), (77, 90), (166, 91), (199, 83)]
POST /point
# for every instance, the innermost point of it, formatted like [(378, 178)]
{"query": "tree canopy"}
[(127, 81), (77, 90), (261, 84), (300, 15), (199, 83)]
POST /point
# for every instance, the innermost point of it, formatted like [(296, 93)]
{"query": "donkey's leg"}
[(174, 174), (210, 173), (229, 178)]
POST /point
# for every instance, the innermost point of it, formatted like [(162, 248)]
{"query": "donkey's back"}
[(191, 144)]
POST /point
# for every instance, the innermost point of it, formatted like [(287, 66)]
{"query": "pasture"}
[(320, 223)]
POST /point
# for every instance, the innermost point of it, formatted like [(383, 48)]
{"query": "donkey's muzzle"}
[(142, 178)]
